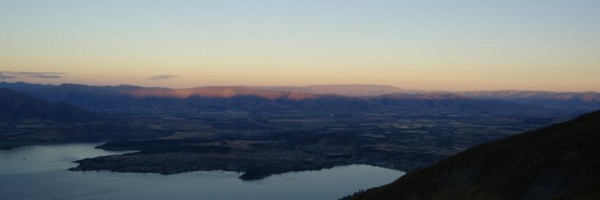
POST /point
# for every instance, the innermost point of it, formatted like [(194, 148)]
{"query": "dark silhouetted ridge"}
[(561, 161)]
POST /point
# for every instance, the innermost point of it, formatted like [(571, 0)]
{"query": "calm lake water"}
[(40, 172)]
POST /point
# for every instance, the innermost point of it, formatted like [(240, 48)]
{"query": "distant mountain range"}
[(558, 162), (17, 107), (344, 90), (215, 91), (133, 98), (583, 101), (326, 98), (517, 94)]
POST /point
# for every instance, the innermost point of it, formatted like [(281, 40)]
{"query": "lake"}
[(40, 172)]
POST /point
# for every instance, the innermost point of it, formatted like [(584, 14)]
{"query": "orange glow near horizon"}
[(454, 46)]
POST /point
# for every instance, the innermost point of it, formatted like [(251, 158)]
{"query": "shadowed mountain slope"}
[(16, 106), (26, 120), (557, 162)]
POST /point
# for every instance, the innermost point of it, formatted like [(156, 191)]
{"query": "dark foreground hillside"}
[(557, 162)]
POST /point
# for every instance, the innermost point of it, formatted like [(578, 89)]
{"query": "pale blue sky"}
[(446, 45)]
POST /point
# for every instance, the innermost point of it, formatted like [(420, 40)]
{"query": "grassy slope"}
[(561, 161)]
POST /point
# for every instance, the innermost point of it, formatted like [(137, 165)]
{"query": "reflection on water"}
[(39, 172)]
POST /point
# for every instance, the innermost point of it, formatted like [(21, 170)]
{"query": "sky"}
[(427, 45)]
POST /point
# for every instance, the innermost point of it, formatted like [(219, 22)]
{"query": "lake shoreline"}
[(43, 174)]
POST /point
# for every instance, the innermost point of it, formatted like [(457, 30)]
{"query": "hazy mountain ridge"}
[(522, 94), (273, 92), (124, 97), (577, 101), (217, 92), (16, 107), (356, 90), (426, 95), (557, 162)]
